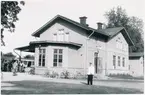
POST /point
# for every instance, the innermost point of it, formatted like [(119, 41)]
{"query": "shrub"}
[(65, 74), (32, 71), (79, 75), (54, 74), (47, 73)]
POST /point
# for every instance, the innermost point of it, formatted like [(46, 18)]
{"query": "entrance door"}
[(96, 62)]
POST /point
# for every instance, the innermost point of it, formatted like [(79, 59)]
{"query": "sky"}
[(36, 13)]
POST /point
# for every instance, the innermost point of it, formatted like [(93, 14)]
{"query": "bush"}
[(54, 74), (32, 71), (78, 75), (65, 74), (47, 73)]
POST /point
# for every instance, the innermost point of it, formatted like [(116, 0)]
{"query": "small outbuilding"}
[(136, 64)]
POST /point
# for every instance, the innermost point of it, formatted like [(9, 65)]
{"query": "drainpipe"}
[(87, 50)]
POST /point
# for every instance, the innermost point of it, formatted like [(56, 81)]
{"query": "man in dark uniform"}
[(90, 74)]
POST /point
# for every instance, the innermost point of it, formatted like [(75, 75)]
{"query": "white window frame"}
[(123, 61), (119, 60), (42, 53), (60, 35), (66, 36), (56, 63), (55, 37), (114, 61)]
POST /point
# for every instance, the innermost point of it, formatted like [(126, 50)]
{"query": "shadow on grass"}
[(84, 83), (40, 87)]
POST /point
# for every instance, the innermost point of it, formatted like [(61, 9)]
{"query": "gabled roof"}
[(109, 32), (52, 21)]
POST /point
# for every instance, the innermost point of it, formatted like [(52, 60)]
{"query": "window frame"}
[(119, 60), (56, 60), (61, 35), (114, 61), (42, 57), (123, 61)]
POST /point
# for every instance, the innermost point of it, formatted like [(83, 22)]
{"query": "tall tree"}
[(117, 17), (9, 12)]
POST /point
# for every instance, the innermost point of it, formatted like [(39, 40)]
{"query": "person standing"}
[(15, 65), (90, 73)]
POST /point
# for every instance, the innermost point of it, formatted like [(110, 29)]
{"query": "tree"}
[(117, 17), (9, 12), (29, 56)]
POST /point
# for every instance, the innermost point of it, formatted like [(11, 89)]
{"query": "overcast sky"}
[(35, 13)]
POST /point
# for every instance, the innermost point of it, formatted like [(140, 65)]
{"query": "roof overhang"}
[(125, 34), (127, 37), (33, 44), (28, 48), (56, 43)]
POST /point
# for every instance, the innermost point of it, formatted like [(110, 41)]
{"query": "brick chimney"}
[(99, 25), (83, 20)]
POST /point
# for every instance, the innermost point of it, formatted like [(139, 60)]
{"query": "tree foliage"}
[(117, 17), (9, 12), (29, 56)]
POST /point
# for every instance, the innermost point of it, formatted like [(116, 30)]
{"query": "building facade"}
[(68, 45), (136, 64)]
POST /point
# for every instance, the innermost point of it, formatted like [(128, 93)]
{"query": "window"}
[(114, 61), (119, 44), (55, 37), (66, 36), (125, 47), (118, 60), (61, 35), (123, 62), (57, 57), (42, 57)]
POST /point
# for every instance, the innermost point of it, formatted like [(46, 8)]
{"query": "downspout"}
[(87, 50)]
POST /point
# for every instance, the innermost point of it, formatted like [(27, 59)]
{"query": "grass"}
[(39, 87)]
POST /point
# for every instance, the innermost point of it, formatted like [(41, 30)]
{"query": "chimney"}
[(83, 20), (99, 25)]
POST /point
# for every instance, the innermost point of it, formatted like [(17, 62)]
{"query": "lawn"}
[(39, 87)]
